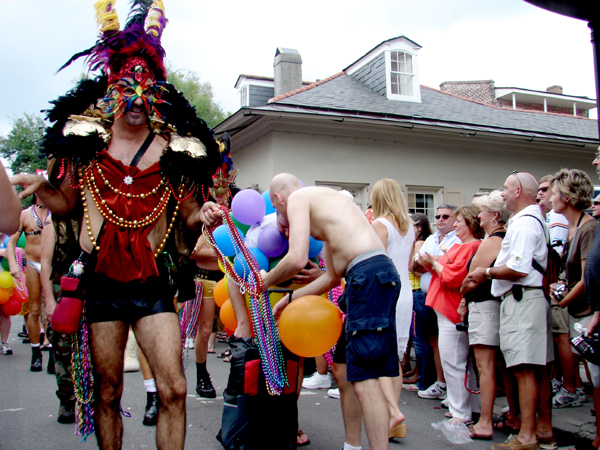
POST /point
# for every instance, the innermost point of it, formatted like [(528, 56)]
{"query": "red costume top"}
[(444, 291)]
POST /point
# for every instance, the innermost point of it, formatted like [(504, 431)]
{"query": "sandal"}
[(500, 423), (411, 380), (474, 435), (302, 438), (227, 359), (225, 354)]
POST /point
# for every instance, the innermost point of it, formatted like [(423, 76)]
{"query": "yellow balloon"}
[(310, 326), (6, 280)]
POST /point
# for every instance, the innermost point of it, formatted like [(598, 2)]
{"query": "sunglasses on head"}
[(516, 174), (442, 216)]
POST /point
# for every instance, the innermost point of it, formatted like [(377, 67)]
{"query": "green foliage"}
[(199, 94), (20, 146)]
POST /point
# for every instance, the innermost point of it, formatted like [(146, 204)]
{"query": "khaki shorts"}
[(526, 329), (484, 323), (560, 319)]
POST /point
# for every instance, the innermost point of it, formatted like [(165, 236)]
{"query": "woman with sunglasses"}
[(444, 297), (484, 312)]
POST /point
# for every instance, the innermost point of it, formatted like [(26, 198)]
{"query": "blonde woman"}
[(394, 227)]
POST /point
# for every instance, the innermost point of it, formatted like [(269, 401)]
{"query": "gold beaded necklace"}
[(87, 179)]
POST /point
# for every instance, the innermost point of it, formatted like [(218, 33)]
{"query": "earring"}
[(492, 222)]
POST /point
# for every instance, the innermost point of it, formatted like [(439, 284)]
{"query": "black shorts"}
[(372, 289), (108, 300)]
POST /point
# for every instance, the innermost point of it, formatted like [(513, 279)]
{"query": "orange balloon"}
[(228, 316), (19, 296), (4, 295), (220, 293), (309, 326)]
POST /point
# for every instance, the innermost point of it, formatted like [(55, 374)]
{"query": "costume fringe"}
[(189, 314)]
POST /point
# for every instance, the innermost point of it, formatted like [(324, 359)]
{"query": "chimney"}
[(554, 89), (288, 70)]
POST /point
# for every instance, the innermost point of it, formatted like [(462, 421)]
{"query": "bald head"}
[(520, 190), (281, 187)]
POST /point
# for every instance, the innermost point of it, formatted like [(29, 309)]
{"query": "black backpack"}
[(554, 264)]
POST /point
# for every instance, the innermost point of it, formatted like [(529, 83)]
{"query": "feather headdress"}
[(140, 38)]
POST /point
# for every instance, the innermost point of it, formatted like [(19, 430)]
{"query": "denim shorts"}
[(372, 290)]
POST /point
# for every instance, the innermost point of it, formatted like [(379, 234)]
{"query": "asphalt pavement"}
[(28, 411)]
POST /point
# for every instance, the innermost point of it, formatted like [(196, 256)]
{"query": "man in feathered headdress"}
[(130, 157)]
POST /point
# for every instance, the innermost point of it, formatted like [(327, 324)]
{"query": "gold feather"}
[(153, 25), (106, 16)]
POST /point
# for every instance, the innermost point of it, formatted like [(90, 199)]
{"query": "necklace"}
[(35, 217)]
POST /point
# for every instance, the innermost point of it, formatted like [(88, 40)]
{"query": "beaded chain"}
[(261, 314), (88, 179), (20, 284), (83, 379), (333, 296), (189, 314)]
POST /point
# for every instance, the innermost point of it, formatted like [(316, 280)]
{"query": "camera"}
[(462, 326), (559, 292)]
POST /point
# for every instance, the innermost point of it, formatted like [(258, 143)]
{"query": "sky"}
[(510, 41)]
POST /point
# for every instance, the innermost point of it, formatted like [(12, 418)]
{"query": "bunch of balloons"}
[(10, 298)]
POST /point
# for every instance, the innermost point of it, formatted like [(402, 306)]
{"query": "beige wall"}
[(364, 153)]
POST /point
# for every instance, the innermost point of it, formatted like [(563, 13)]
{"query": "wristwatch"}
[(488, 274)]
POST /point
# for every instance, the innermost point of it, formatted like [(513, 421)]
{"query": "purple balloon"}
[(272, 243), (248, 207)]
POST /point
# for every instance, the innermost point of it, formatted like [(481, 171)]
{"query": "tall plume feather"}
[(138, 13), (106, 16), (156, 20)]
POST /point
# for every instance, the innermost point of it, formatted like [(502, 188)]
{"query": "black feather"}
[(138, 13)]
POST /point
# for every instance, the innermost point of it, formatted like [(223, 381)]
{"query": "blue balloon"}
[(224, 242), (314, 247), (270, 209), (5, 242), (241, 267)]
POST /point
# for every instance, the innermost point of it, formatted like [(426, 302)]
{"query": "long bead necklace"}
[(263, 323)]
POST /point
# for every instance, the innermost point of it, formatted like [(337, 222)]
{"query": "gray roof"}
[(347, 96)]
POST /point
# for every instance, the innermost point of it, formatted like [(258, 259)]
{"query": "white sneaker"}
[(189, 343), (334, 393), (5, 349), (317, 381), (433, 391)]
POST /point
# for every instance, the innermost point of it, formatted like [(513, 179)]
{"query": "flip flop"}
[(499, 423), (302, 439), (209, 351), (225, 354), (474, 435), (410, 380)]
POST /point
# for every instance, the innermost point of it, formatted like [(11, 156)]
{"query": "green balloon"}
[(21, 242), (243, 228), (4, 264)]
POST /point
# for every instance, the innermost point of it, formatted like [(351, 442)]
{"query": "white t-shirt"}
[(434, 247), (558, 229), (251, 238), (525, 241)]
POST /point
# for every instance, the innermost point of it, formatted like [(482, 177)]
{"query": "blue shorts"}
[(372, 289)]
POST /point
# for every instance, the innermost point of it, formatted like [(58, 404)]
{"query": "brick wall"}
[(540, 107), (482, 91)]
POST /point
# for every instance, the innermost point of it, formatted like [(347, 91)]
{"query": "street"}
[(28, 411)]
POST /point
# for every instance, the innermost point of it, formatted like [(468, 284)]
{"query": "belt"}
[(212, 275), (517, 291)]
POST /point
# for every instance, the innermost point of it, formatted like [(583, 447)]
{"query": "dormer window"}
[(244, 96), (401, 74)]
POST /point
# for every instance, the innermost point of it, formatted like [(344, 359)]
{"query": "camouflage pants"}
[(61, 344)]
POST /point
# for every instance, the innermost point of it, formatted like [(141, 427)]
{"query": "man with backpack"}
[(525, 321)]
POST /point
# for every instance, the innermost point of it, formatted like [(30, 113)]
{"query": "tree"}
[(199, 94), (20, 146)]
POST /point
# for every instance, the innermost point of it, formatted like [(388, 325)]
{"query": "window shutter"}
[(454, 197)]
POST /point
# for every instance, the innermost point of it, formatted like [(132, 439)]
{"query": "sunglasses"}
[(516, 174), (443, 216), (543, 189), (596, 203)]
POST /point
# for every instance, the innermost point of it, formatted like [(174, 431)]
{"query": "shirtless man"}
[(351, 249), (133, 188), (32, 222)]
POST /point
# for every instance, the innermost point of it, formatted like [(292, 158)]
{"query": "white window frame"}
[(244, 96), (415, 95), (402, 80), (436, 194)]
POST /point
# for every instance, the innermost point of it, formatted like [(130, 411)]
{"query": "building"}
[(374, 120)]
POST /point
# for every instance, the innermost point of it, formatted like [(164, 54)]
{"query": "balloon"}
[(228, 316), (21, 297), (243, 228), (314, 247), (310, 326), (22, 240), (223, 240), (4, 295), (270, 209), (6, 280), (4, 264), (272, 243), (5, 242), (248, 207), (220, 293), (221, 266), (241, 267), (229, 332), (12, 307)]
